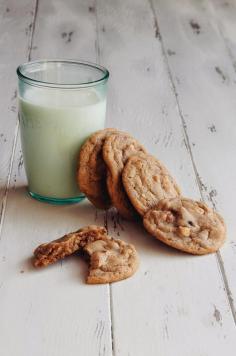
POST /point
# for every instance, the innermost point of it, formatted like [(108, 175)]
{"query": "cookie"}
[(110, 260), (186, 225), (116, 151), (147, 181), (91, 174), (51, 252)]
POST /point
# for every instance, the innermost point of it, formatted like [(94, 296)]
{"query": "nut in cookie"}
[(187, 225)]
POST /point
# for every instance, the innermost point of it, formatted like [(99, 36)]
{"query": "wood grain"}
[(166, 297), (172, 85), (224, 12), (209, 114), (53, 311), (16, 26)]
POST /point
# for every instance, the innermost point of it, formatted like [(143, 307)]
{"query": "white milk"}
[(54, 124)]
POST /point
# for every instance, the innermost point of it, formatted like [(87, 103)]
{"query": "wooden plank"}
[(66, 29), (172, 296), (172, 306), (50, 312), (16, 28), (204, 80), (225, 12)]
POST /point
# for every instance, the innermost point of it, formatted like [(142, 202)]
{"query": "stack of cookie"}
[(115, 169)]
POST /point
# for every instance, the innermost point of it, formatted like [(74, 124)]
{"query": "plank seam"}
[(219, 257), (97, 43), (188, 146), (111, 319), (109, 288), (5, 195), (32, 29), (226, 284)]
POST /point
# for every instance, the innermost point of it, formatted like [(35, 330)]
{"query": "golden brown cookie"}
[(186, 225), (91, 174), (147, 181), (116, 151), (110, 260), (51, 252)]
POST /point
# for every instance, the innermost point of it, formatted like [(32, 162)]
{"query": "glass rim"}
[(40, 83)]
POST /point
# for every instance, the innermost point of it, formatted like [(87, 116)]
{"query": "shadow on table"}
[(18, 200), (40, 218)]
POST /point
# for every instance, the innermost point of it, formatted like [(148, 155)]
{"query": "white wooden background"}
[(173, 86)]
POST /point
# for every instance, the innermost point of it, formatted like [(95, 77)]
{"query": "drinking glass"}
[(61, 103)]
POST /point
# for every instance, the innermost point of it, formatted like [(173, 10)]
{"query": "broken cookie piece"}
[(110, 260), (186, 225), (51, 252)]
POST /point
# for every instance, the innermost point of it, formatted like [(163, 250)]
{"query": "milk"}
[(54, 124)]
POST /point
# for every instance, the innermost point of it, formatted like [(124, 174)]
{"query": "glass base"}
[(56, 201)]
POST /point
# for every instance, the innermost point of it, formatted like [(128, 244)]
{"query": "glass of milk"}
[(61, 103)]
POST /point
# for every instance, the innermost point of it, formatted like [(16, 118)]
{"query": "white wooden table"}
[(173, 85)]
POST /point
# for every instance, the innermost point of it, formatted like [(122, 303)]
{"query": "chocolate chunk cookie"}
[(91, 174), (116, 151), (51, 252), (147, 181), (186, 225), (110, 260)]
